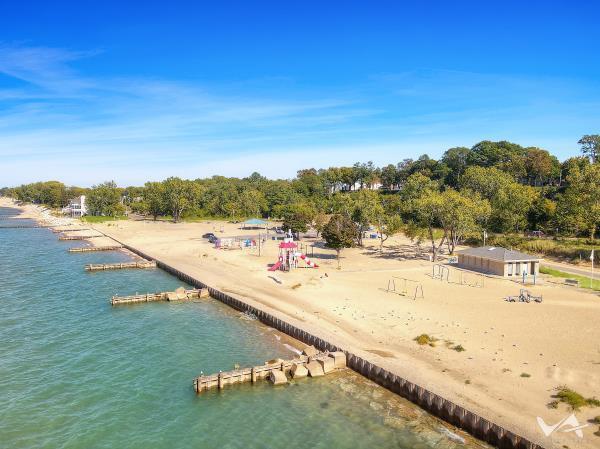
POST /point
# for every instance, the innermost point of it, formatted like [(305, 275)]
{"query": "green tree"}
[(154, 199), (387, 225), (579, 208), (510, 200), (590, 147), (460, 215), (339, 233), (319, 222), (297, 217), (105, 199), (179, 195)]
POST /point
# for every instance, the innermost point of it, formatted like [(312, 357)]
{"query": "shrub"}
[(525, 375), (425, 339), (574, 399), (459, 348)]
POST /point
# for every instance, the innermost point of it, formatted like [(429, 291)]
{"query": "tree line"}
[(497, 186)]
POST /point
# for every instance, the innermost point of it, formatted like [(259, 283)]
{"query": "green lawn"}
[(584, 281), (100, 219)]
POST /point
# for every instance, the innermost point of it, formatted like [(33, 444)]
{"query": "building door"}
[(510, 268), (532, 267)]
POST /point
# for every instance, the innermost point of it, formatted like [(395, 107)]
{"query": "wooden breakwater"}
[(433, 403), (178, 295), (78, 237), (120, 266), (276, 371), (86, 249)]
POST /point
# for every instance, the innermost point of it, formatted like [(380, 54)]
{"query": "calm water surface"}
[(77, 373)]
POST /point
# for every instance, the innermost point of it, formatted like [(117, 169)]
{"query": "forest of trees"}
[(498, 186)]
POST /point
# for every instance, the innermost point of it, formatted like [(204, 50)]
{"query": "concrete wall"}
[(431, 402)]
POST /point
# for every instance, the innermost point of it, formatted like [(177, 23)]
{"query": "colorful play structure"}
[(289, 257)]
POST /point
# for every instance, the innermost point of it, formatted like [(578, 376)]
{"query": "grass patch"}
[(574, 399), (584, 281), (101, 219), (425, 339)]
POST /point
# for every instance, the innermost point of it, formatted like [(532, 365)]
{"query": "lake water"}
[(78, 373)]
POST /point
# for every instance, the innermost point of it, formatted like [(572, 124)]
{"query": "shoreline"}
[(399, 374)]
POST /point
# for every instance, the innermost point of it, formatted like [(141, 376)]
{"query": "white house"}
[(76, 207)]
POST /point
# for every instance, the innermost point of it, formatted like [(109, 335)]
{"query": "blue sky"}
[(136, 91)]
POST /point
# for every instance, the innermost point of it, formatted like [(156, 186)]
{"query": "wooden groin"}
[(78, 237), (23, 227), (87, 249), (58, 231), (452, 413), (178, 295), (119, 266), (276, 371)]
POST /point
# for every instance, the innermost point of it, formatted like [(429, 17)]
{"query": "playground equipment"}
[(289, 257), (440, 272), (403, 284), (456, 276), (524, 296)]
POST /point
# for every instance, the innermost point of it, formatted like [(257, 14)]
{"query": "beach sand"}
[(556, 342)]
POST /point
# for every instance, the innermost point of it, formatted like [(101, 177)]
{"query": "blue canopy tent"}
[(254, 223)]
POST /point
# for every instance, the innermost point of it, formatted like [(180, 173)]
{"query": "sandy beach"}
[(515, 354)]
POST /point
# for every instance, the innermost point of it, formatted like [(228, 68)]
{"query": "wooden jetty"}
[(180, 294), (311, 363), (120, 266), (87, 249), (78, 237)]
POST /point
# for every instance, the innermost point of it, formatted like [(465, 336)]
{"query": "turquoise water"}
[(77, 373)]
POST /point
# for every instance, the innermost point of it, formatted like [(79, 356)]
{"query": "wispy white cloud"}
[(59, 123)]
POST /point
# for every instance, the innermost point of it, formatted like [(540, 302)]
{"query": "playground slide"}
[(276, 266), (308, 261)]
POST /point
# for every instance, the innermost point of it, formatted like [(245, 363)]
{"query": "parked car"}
[(208, 235), (212, 239), (279, 231)]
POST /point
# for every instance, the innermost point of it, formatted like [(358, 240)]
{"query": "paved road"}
[(572, 270)]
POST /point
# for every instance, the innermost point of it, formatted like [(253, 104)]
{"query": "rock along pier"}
[(311, 363), (180, 294)]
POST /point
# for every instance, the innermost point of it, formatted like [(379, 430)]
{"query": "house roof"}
[(497, 253), (288, 245)]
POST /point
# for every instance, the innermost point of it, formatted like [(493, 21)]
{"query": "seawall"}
[(438, 406)]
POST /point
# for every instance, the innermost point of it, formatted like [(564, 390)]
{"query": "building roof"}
[(288, 245), (497, 253)]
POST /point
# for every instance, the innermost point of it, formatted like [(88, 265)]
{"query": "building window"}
[(510, 269)]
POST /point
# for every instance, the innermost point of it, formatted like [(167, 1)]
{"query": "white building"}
[(76, 207)]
